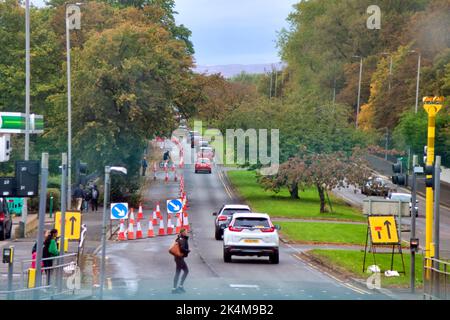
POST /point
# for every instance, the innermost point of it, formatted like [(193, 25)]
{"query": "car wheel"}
[(196, 171), (218, 235), (274, 258), (226, 256), (209, 171)]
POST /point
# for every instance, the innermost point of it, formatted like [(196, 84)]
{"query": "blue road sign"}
[(174, 206), (119, 211)]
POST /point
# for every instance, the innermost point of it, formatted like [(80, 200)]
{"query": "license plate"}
[(251, 241)]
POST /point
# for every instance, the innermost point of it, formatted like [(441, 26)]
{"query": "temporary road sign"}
[(119, 211), (72, 225), (174, 206), (383, 230)]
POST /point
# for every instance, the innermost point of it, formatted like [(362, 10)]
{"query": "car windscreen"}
[(204, 160), (229, 212), (251, 223)]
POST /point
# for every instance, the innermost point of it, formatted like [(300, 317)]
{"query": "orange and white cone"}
[(169, 224), (132, 221), (150, 232), (138, 230), (185, 221), (155, 218), (140, 214), (158, 211), (130, 233), (178, 228), (162, 231), (121, 236)]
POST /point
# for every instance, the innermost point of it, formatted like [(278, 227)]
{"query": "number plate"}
[(251, 241)]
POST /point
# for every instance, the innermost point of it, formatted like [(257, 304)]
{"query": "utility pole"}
[(63, 213), (418, 81), (27, 109), (105, 206), (432, 105), (359, 88)]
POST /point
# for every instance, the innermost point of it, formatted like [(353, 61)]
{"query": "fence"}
[(436, 279), (60, 278)]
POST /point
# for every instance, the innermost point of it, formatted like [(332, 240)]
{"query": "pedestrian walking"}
[(78, 194), (50, 250), (94, 198), (87, 198), (183, 246), (144, 165), (34, 252)]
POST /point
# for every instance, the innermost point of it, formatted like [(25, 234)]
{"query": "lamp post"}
[(359, 88), (419, 59), (108, 171), (390, 68), (73, 21)]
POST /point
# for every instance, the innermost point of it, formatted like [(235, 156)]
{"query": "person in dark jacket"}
[(94, 200), (79, 195), (144, 165), (50, 250), (182, 240)]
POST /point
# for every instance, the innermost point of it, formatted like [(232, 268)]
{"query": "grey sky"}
[(232, 31)]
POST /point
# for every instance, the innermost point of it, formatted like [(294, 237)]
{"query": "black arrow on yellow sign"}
[(73, 220), (388, 227)]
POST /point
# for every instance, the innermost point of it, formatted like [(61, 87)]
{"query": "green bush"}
[(33, 204)]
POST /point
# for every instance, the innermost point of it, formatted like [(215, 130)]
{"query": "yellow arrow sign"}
[(383, 229), (72, 225)]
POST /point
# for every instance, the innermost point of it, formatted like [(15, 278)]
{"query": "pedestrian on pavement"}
[(182, 240), (34, 252), (144, 165), (50, 250), (87, 198), (78, 194), (94, 198)]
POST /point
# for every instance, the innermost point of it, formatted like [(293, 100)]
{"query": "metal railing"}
[(56, 283), (436, 279)]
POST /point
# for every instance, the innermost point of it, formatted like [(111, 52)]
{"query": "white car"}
[(404, 197), (251, 234), (225, 215)]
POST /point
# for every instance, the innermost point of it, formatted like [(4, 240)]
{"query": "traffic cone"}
[(167, 176), (130, 233), (162, 231), (150, 232), (132, 216), (121, 236), (155, 218), (186, 221), (169, 224), (178, 228), (140, 214), (158, 211), (138, 230)]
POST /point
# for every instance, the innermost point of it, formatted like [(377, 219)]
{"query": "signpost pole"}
[(413, 226), (105, 206), (40, 236), (63, 215)]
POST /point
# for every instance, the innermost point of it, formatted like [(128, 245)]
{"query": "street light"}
[(418, 77), (390, 68), (108, 171), (74, 9), (359, 88)]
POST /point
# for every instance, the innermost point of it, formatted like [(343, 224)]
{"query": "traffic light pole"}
[(413, 226), (437, 185), (432, 105)]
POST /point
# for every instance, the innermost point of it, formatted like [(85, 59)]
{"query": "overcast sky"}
[(232, 31)]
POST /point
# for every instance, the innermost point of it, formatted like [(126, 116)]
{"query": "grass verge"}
[(282, 205), (351, 261)]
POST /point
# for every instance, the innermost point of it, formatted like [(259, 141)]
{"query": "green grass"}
[(318, 232), (352, 261), (282, 205)]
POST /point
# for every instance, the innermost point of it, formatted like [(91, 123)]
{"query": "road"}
[(143, 269)]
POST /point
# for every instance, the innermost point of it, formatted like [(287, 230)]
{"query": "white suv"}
[(251, 234)]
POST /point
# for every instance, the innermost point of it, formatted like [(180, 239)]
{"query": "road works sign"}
[(383, 230), (72, 225), (119, 210), (174, 206)]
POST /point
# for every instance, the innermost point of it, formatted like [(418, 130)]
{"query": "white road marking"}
[(244, 286)]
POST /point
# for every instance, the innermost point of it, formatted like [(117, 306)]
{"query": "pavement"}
[(143, 269)]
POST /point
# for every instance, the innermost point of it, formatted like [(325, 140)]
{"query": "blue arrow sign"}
[(174, 206), (119, 211)]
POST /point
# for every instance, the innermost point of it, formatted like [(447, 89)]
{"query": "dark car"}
[(224, 216), (5, 220), (375, 187)]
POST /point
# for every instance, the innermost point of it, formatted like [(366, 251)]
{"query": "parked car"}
[(375, 187), (5, 220), (203, 164), (404, 197), (224, 216), (251, 234)]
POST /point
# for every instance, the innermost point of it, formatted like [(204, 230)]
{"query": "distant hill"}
[(232, 70)]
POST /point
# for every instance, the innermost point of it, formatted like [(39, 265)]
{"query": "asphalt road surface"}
[(143, 269)]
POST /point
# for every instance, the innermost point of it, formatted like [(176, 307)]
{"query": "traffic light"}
[(429, 181), (399, 178), (81, 172)]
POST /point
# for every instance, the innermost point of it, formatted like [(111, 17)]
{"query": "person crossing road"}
[(181, 265)]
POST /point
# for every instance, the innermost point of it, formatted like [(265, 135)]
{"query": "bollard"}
[(51, 204)]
